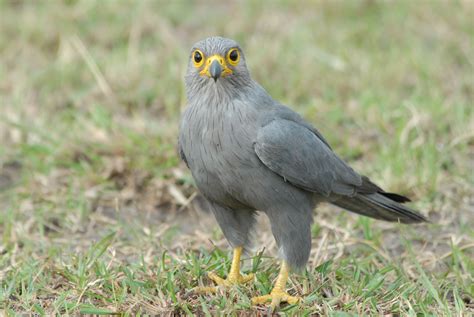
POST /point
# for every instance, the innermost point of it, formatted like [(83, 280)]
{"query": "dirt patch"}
[(10, 173)]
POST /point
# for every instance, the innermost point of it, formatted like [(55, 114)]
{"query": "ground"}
[(97, 214)]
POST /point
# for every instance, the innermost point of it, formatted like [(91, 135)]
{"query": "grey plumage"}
[(247, 152)]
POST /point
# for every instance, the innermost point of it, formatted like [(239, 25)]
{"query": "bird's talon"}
[(232, 279), (204, 289), (246, 278), (276, 297), (217, 279)]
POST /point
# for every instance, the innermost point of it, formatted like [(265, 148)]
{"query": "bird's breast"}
[(218, 146)]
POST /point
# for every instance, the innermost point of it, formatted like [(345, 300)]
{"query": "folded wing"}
[(303, 159)]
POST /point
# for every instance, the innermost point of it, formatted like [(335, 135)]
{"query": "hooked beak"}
[(215, 70), (215, 67)]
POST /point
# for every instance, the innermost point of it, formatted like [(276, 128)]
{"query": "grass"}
[(98, 216)]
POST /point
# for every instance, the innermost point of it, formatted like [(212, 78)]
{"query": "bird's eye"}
[(198, 58), (233, 56)]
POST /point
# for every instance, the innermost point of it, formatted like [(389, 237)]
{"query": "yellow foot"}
[(232, 279), (202, 290), (276, 297)]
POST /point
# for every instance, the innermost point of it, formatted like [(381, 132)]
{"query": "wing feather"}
[(298, 155)]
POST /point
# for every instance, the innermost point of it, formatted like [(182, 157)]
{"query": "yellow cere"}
[(225, 69), (232, 58)]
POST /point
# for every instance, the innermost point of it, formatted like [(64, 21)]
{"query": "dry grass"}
[(97, 215)]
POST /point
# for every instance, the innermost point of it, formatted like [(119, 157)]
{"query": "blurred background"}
[(90, 98)]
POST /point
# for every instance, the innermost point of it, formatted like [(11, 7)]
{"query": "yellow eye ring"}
[(198, 58), (233, 56)]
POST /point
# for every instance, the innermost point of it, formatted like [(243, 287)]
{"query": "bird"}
[(249, 153)]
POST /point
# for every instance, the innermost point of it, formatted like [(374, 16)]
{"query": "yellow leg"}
[(234, 277), (278, 294)]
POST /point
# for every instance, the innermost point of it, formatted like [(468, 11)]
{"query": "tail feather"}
[(383, 206), (396, 197)]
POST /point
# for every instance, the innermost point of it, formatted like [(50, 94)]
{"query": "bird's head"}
[(216, 61)]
